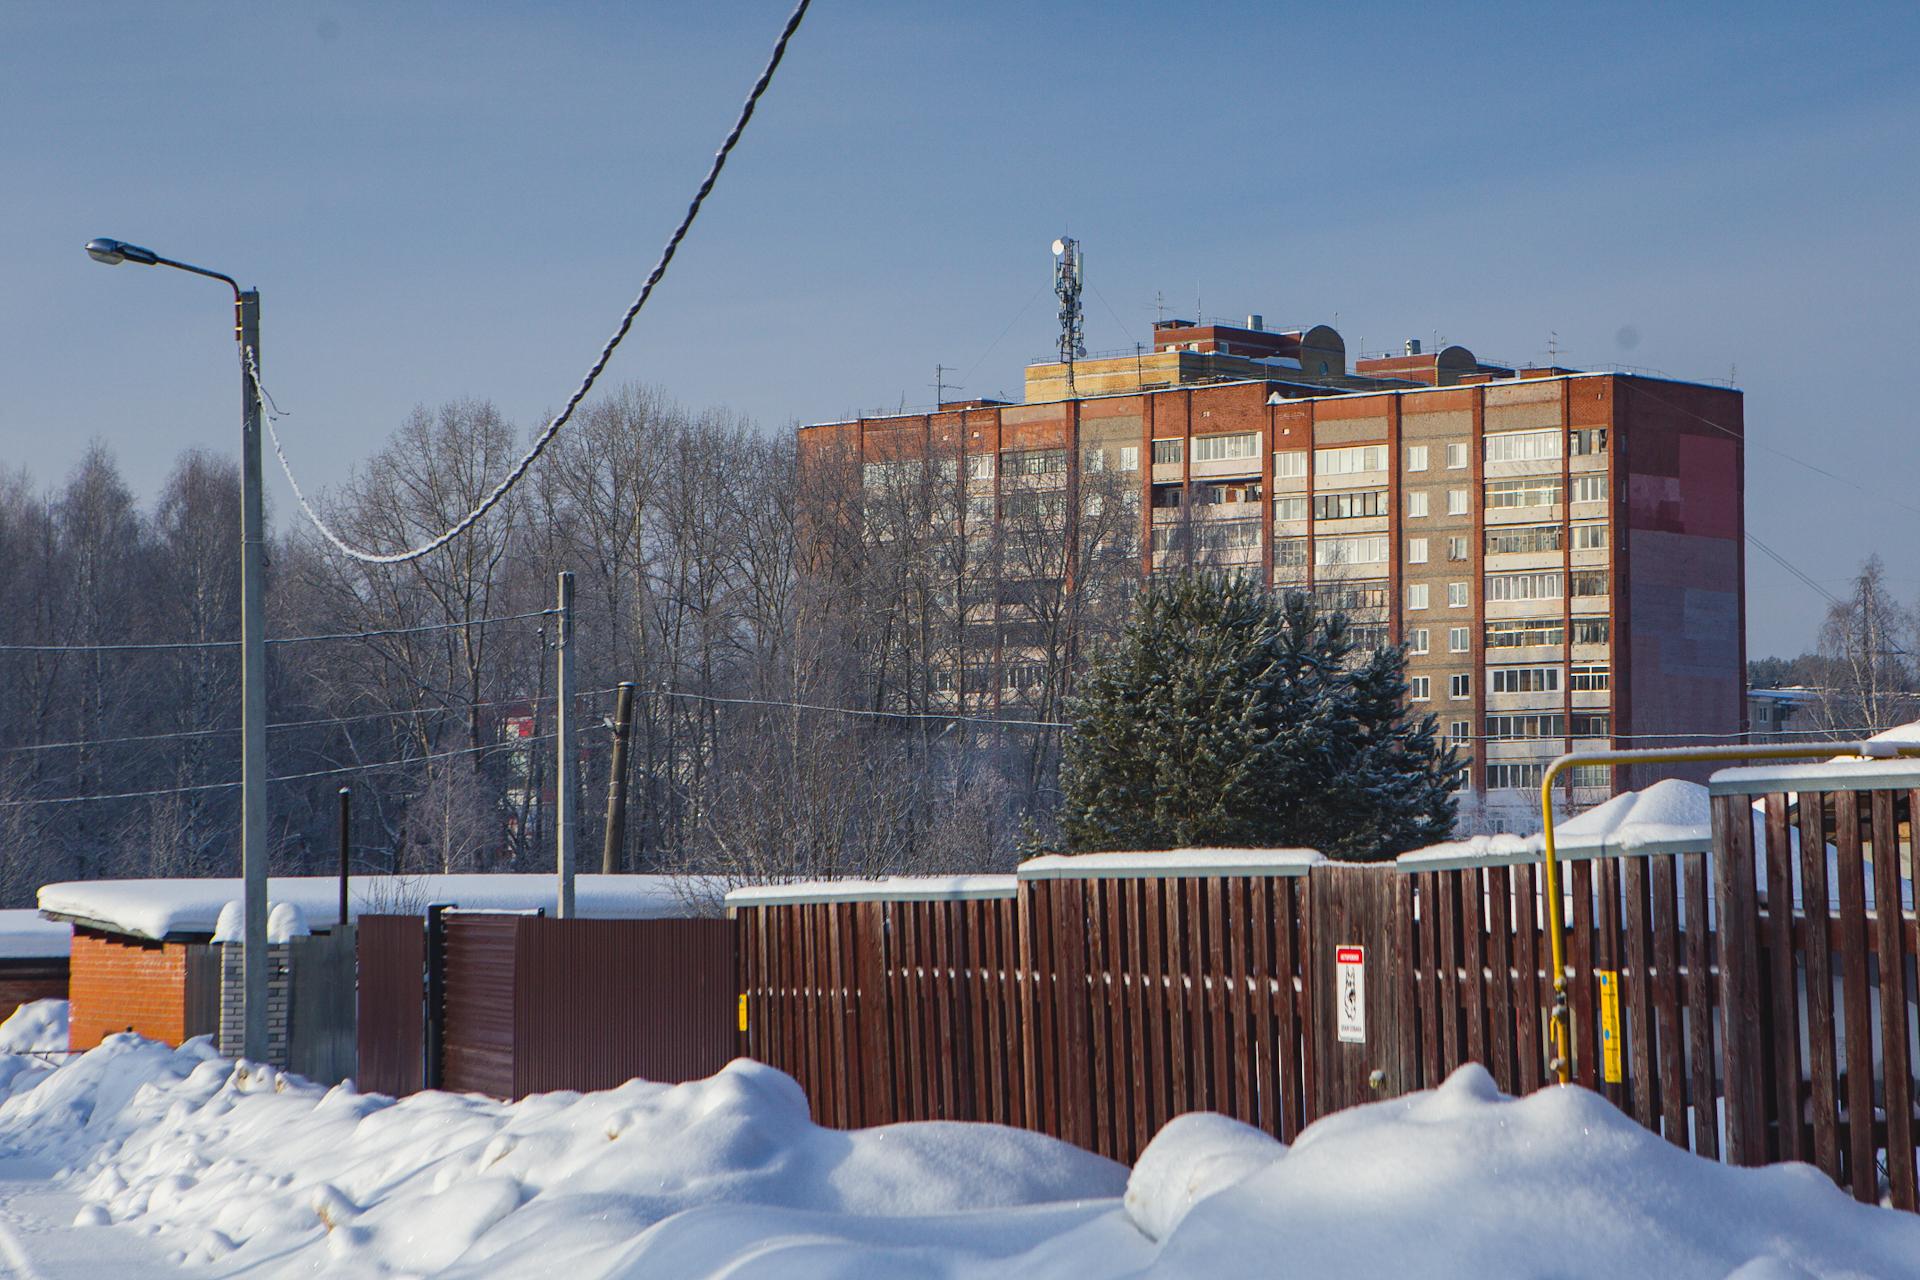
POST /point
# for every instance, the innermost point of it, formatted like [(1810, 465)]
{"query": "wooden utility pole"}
[(616, 833)]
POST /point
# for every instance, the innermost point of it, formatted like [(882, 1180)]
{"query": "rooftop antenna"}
[(1159, 307), (1553, 345), (1068, 276), (941, 386)]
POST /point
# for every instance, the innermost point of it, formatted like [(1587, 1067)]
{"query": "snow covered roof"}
[(189, 909), (1827, 775), (27, 935), (1671, 816), (1170, 862), (887, 889)]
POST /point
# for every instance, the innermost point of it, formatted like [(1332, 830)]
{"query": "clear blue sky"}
[(441, 201)]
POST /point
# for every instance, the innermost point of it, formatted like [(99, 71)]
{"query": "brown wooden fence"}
[(508, 1004), (1718, 996)]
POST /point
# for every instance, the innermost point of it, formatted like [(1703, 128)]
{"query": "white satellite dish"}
[(1059, 247)]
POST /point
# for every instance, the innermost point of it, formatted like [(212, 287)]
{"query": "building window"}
[(1350, 460), (1129, 457), (1459, 732), (1589, 440), (1219, 536), (1460, 685), (1458, 640), (1591, 630), (1168, 497), (1417, 503), (1166, 452), (1515, 777), (1523, 446), (1534, 491), (1368, 637), (1291, 465), (1457, 595), (1331, 552), (1290, 508), (980, 466), (1230, 492), (1289, 553), (1526, 724), (1349, 504), (1456, 502), (1592, 677), (1591, 775), (1524, 633), (1525, 679), (1589, 582), (1033, 462), (1590, 537), (1456, 456), (1416, 457), (1590, 724), (1346, 597), (1590, 488), (1420, 688), (1416, 595), (1231, 448), (1417, 640), (1547, 585), (1522, 539), (1416, 550), (1456, 548)]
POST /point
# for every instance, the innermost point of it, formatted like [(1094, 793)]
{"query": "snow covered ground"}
[(150, 1160)]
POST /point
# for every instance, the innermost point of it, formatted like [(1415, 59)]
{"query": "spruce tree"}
[(1228, 715)]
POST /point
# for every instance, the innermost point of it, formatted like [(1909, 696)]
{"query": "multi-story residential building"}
[(1560, 552)]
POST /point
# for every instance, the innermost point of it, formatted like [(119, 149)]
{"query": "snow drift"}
[(244, 1170)]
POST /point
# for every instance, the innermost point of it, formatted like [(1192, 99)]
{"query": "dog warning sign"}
[(1350, 993)]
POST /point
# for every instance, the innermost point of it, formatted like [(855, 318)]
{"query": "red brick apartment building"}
[(1561, 552)]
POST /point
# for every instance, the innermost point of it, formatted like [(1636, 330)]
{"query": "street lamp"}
[(253, 640)]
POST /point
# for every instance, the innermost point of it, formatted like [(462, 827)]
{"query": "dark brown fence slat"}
[(1671, 1053), (392, 963), (1702, 995), (1856, 1015), (1216, 982), (1586, 1040), (1450, 997), (1500, 965), (1739, 981), (1529, 998), (1898, 1084), (1639, 992), (1784, 1037), (1606, 876), (1822, 1064), (1295, 1044), (1426, 974)]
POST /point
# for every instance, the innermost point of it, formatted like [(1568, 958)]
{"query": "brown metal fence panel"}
[(478, 1046), (392, 994), (321, 1035), (601, 1002)]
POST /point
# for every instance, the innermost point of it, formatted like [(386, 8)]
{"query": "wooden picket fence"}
[(1717, 995)]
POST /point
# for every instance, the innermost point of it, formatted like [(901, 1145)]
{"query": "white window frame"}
[(1416, 595), (1416, 503), (1460, 686), (1416, 550), (1236, 446), (1290, 464), (1418, 640), (1459, 639), (1420, 689), (1416, 457), (1458, 597), (1522, 446), (1456, 502), (1457, 456)]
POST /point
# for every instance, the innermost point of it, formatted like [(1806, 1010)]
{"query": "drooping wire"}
[(234, 644), (606, 352)]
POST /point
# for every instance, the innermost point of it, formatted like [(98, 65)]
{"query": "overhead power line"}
[(606, 352), (285, 777), (235, 644)]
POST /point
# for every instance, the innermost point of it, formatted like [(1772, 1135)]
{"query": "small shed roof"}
[(179, 910)]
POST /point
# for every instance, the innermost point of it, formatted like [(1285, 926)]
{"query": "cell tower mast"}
[(1067, 279)]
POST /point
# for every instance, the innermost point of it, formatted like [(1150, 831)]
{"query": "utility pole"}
[(346, 813), (564, 764), (253, 687), (616, 834), (941, 386)]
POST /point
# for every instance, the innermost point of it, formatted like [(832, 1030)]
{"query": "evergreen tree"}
[(1227, 715)]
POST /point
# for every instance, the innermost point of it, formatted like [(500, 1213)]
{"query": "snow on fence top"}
[(26, 935), (1829, 775), (887, 889), (178, 910), (1671, 816), (1170, 862)]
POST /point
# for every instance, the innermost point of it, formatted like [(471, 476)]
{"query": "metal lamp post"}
[(253, 641)]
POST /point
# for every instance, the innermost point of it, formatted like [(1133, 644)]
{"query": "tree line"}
[(804, 636)]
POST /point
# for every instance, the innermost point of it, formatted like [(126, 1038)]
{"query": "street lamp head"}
[(115, 252)]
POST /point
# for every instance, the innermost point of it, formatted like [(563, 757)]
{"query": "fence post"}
[(435, 996), (1733, 885)]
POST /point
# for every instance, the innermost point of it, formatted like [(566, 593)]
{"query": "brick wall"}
[(118, 984)]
